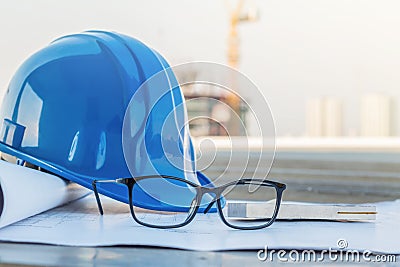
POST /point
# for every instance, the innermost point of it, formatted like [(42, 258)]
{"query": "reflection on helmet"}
[(65, 107)]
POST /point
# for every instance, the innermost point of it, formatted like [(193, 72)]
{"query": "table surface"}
[(46, 255)]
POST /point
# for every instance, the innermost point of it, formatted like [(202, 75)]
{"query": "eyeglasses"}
[(170, 202)]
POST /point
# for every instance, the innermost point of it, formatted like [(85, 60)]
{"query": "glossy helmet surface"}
[(65, 107)]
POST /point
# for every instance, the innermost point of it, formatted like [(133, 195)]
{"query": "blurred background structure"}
[(324, 117), (225, 123), (377, 115)]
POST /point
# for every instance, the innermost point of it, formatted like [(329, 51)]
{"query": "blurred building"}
[(209, 112), (324, 117), (314, 117), (376, 115)]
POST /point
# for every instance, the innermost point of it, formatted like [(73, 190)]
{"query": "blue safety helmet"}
[(70, 105)]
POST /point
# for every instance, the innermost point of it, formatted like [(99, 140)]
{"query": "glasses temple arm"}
[(96, 193)]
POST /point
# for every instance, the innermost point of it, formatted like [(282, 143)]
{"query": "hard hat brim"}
[(112, 190)]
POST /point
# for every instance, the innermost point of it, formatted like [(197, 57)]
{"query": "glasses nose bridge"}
[(208, 190), (214, 192)]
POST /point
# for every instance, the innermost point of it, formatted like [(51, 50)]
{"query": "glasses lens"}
[(162, 201), (249, 205)]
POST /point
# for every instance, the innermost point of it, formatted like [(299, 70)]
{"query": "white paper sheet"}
[(26, 192), (79, 224)]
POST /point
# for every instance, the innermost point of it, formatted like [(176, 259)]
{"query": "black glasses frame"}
[(200, 192)]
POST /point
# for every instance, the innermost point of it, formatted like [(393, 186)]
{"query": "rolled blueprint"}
[(25, 192)]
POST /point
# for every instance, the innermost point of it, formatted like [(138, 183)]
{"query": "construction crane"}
[(236, 16)]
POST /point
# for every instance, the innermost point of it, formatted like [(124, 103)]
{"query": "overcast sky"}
[(297, 50)]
